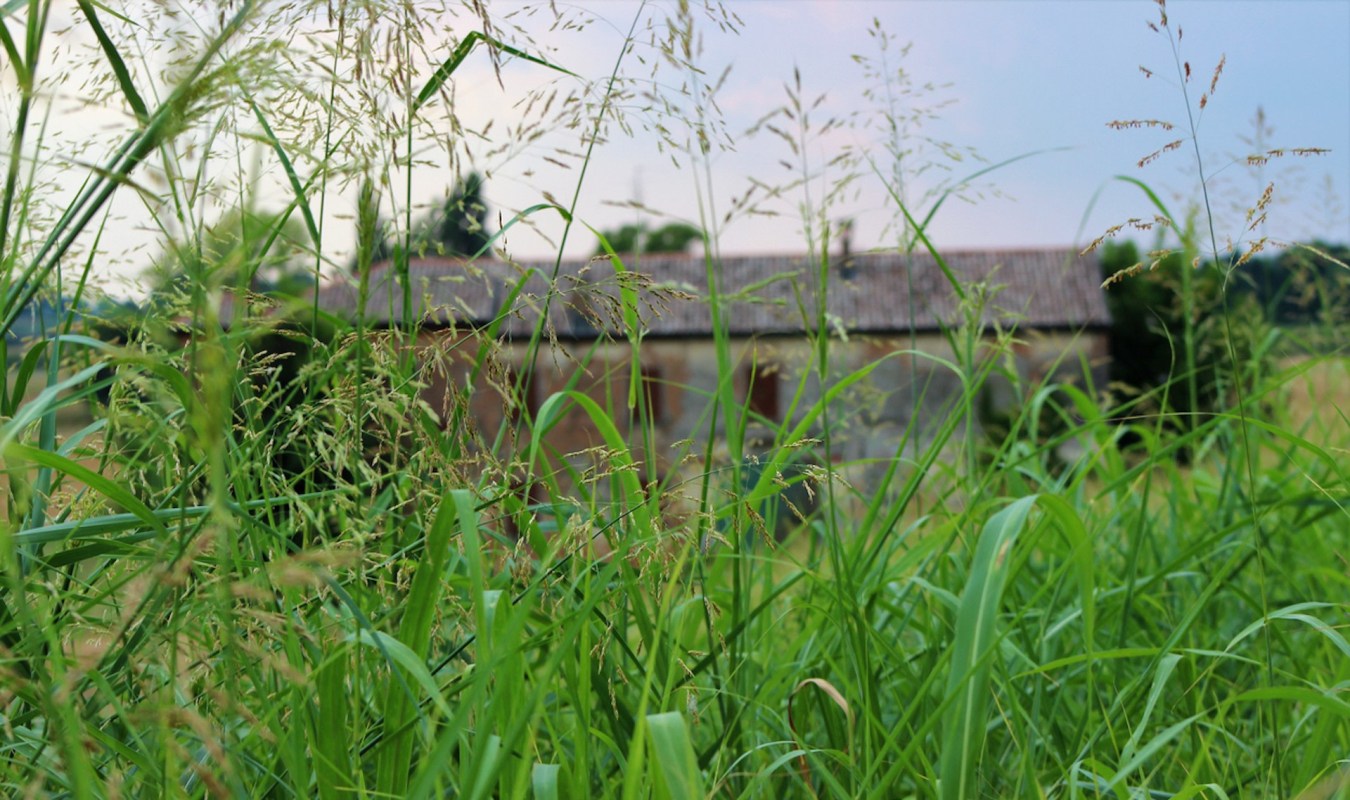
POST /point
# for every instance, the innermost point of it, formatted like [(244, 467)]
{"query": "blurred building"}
[(893, 312)]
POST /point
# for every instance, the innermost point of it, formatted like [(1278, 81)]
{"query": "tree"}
[(462, 225), (675, 237), (1147, 322), (1302, 284), (457, 227)]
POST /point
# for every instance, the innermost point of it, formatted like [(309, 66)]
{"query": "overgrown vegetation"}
[(457, 227), (636, 238), (268, 575)]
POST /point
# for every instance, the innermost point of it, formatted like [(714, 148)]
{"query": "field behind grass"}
[(252, 576)]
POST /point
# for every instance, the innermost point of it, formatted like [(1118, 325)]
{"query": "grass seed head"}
[(1156, 154), (1218, 70), (1124, 124)]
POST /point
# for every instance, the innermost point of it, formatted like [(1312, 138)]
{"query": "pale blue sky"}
[(1025, 75)]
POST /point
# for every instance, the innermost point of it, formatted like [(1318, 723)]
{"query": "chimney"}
[(845, 234)]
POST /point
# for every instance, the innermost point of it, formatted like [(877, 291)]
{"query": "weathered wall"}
[(681, 375)]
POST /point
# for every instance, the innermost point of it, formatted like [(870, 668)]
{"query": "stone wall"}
[(909, 381)]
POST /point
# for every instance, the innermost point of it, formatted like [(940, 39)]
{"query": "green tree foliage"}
[(675, 237), (1141, 307), (456, 227), (1301, 285), (1147, 321), (462, 225)]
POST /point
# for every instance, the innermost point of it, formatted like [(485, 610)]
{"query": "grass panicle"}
[(287, 554)]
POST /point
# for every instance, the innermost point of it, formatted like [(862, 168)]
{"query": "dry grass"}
[(1318, 398)]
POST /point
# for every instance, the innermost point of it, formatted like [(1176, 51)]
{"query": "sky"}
[(1022, 78), (1031, 82)]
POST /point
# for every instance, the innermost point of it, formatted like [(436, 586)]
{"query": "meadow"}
[(247, 573)]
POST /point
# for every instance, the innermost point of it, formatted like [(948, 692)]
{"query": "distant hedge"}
[(1295, 286)]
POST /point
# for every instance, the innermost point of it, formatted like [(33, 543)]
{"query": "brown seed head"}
[(1110, 232), (1257, 246), (1128, 272), (1256, 215), (1218, 70), (1265, 198), (1156, 154), (1260, 159), (1122, 124)]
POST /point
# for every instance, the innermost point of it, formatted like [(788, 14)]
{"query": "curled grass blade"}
[(1163, 739), (835, 696), (552, 408), (544, 781), (677, 774), (48, 400), (976, 633), (1295, 613), (403, 656)]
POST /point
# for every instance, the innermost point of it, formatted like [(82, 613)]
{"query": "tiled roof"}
[(1043, 288)]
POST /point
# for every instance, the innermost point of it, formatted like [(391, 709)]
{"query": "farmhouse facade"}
[(883, 310)]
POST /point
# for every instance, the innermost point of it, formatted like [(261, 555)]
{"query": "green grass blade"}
[(93, 480), (48, 400), (1294, 612), (24, 374), (90, 527), (11, 47), (1181, 230), (331, 731), (448, 67), (554, 406), (976, 634), (1325, 700), (678, 774), (544, 781), (419, 614), (980, 173), (115, 61), (1163, 671), (1147, 751), (301, 200), (403, 656), (920, 234)]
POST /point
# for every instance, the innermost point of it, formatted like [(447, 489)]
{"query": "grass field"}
[(241, 580)]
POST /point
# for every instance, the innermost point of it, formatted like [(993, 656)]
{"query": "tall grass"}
[(243, 581)]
